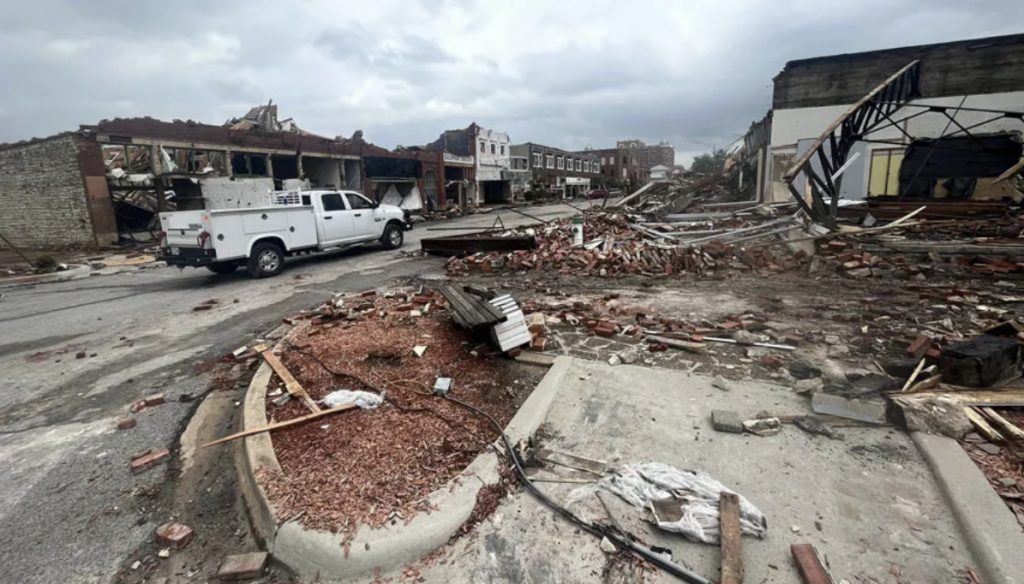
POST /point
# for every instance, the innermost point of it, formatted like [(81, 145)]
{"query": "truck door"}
[(335, 220), (363, 217)]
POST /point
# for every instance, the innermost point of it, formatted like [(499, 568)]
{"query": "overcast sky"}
[(568, 74)]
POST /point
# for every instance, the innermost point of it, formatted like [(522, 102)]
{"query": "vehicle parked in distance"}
[(597, 194), (293, 222)]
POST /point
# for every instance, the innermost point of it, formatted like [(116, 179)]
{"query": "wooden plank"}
[(913, 376), (808, 563), (926, 384), (982, 425), (688, 346), (1005, 398), (1005, 426), (1010, 172), (291, 384), (731, 539), (284, 424)]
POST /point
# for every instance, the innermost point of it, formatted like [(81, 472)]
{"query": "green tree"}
[(709, 162)]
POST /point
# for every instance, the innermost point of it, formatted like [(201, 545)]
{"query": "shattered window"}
[(492, 149), (483, 147), (550, 162), (502, 149)]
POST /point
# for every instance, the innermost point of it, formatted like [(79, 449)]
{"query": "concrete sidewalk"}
[(868, 502)]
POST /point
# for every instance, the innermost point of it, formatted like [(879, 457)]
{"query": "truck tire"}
[(393, 236), (266, 259), (222, 267)]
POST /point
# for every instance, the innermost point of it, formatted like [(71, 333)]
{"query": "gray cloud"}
[(571, 74)]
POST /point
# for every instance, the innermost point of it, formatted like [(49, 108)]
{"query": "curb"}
[(993, 535), (74, 272), (319, 554)]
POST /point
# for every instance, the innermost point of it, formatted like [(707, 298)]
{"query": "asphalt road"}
[(70, 511)]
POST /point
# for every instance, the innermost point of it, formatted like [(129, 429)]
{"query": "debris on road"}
[(243, 566), (688, 500), (147, 459), (727, 421), (175, 535)]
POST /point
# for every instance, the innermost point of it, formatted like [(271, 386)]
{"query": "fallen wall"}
[(43, 199)]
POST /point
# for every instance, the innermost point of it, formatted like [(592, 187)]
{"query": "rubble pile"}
[(616, 247), (678, 194), (988, 247)]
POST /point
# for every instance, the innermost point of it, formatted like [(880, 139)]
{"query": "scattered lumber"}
[(282, 424), (984, 428), (291, 384), (731, 538), (1005, 426), (809, 564)]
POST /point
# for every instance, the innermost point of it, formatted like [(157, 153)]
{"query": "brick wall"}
[(979, 66), (42, 195)]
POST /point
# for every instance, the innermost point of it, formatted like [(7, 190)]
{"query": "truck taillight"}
[(161, 237), (204, 236)]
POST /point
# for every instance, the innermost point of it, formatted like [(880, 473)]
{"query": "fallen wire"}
[(595, 529)]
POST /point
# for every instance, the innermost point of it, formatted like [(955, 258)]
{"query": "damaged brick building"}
[(957, 128), (553, 170), (84, 188)]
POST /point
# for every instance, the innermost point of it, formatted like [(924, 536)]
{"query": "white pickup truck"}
[(292, 222)]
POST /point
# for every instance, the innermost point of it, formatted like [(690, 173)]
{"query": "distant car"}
[(597, 194)]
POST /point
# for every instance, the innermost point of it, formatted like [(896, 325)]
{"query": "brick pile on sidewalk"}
[(613, 248), (937, 243)]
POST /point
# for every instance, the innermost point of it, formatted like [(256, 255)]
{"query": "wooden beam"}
[(731, 539), (284, 424), (809, 564), (688, 346), (1005, 426), (994, 398), (982, 425), (291, 384)]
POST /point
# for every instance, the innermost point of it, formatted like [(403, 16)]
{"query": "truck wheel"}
[(266, 260), (222, 267), (393, 236)]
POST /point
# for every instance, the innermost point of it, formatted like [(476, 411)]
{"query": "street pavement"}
[(70, 510)]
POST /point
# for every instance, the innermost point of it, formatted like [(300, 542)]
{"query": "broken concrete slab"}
[(727, 421), (243, 566), (942, 415), (863, 410)]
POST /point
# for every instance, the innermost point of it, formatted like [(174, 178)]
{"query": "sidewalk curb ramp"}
[(993, 535), (314, 554)]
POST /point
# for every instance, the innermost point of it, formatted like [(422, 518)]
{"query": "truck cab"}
[(292, 222)]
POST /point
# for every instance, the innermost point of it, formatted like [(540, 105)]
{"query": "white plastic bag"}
[(363, 399), (640, 484)]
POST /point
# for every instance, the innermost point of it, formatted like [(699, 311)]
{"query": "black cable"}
[(593, 529)]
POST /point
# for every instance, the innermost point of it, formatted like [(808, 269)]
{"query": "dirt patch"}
[(378, 466)]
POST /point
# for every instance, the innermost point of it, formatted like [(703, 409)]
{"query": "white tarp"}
[(696, 491), (363, 399), (410, 201)]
